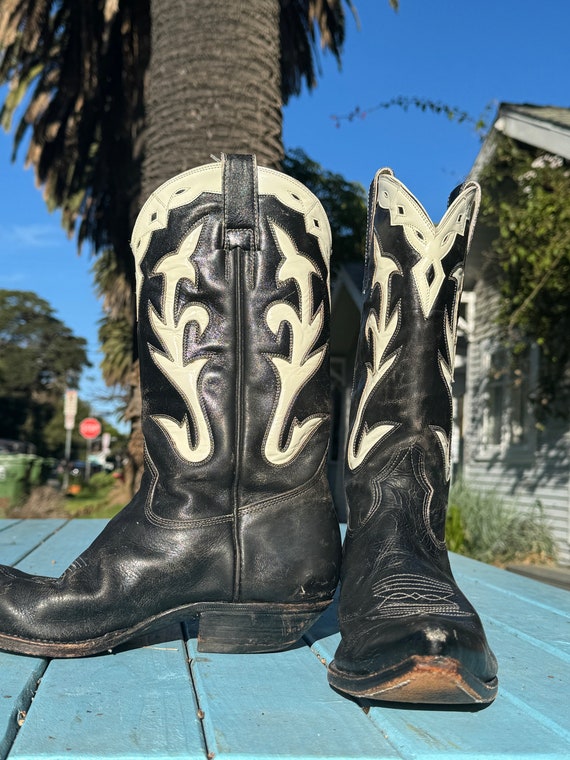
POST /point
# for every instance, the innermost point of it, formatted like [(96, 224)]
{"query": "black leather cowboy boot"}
[(408, 633), (233, 521)]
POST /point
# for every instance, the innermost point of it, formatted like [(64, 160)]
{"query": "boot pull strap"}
[(241, 208)]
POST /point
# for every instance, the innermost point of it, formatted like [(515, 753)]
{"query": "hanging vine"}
[(526, 197)]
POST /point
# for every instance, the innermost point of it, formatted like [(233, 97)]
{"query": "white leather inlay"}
[(296, 196), (175, 267), (178, 191), (445, 444), (295, 371), (432, 242), (379, 330), (447, 365)]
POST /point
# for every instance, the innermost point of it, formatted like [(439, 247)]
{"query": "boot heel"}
[(241, 631)]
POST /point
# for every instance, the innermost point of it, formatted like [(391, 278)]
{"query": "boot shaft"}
[(233, 305), (401, 410)]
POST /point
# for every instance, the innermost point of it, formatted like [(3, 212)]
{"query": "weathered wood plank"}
[(515, 726), (279, 705), (500, 732), (19, 678), (6, 523), (530, 610), (22, 536), (137, 703), (20, 542), (554, 576), (527, 589), (58, 551)]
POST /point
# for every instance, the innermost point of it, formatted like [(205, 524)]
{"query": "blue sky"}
[(470, 55)]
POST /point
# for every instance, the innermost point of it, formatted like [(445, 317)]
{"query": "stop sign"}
[(90, 428)]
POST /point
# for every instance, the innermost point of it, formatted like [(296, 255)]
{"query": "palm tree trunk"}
[(214, 84)]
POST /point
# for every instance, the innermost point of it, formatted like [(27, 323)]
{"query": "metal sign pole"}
[(69, 412), (88, 461)]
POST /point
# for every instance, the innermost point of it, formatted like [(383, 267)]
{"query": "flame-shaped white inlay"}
[(379, 331), (432, 242), (447, 365), (295, 371), (175, 267)]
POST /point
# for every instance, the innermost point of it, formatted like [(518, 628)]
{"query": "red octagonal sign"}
[(90, 428)]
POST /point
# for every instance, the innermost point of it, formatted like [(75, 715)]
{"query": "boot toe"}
[(421, 659)]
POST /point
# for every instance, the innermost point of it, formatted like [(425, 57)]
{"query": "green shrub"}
[(454, 530), (487, 527), (97, 498), (98, 484)]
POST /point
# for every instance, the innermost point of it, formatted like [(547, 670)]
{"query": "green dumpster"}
[(36, 470), (14, 475)]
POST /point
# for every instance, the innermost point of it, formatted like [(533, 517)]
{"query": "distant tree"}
[(344, 202), (39, 357), (116, 329)]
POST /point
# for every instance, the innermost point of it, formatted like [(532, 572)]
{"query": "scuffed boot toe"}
[(422, 660)]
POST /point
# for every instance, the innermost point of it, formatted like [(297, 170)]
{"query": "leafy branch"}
[(480, 124)]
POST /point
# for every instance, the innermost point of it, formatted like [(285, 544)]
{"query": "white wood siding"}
[(539, 470)]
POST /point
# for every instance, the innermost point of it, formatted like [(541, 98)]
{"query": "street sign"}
[(69, 409), (70, 402), (89, 428)]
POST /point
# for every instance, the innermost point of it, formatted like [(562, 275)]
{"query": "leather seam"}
[(426, 512), (389, 467), (267, 503), (163, 522)]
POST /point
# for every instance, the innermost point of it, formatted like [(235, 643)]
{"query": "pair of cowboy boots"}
[(233, 522)]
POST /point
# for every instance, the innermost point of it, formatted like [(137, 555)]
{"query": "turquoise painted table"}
[(163, 699)]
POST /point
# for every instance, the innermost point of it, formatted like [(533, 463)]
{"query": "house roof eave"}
[(543, 127), (539, 132)]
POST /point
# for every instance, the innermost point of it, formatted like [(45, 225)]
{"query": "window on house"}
[(507, 417), (495, 401), (520, 417)]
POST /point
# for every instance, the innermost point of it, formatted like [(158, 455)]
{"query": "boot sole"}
[(420, 680), (234, 628)]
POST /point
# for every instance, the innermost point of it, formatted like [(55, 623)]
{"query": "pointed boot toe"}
[(424, 659)]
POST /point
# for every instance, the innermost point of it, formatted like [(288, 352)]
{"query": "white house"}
[(503, 448)]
